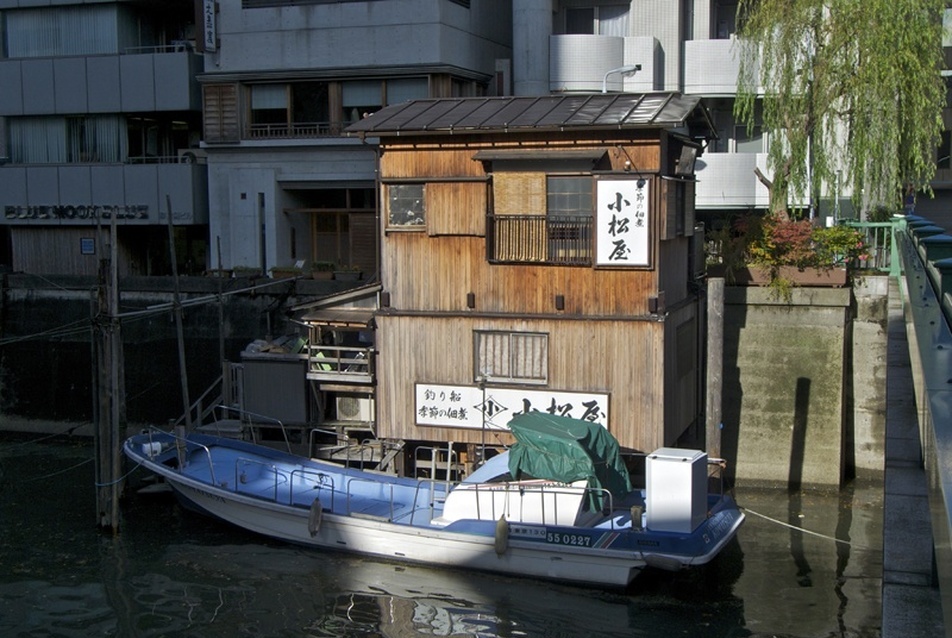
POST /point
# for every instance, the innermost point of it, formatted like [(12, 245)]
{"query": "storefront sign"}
[(622, 223), (75, 213), (209, 26), (492, 408)]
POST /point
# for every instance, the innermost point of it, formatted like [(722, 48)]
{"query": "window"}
[(601, 20), (361, 98), (541, 218), (945, 149), (752, 142), (406, 206), (87, 30), (569, 206), (57, 140), (511, 357)]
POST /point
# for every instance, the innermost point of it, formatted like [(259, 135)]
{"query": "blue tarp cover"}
[(562, 449)]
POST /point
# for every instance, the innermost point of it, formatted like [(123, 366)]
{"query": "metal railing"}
[(930, 340), (881, 244), (295, 130), (339, 363), (540, 239)]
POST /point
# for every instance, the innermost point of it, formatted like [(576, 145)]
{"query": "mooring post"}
[(715, 364), (109, 381)]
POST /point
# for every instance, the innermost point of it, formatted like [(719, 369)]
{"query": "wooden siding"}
[(452, 208), (38, 251), (621, 358)]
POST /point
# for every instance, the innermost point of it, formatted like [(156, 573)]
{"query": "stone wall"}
[(803, 384)]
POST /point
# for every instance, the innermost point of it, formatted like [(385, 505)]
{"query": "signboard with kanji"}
[(622, 223)]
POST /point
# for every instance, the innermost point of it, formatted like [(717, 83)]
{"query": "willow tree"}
[(844, 87)]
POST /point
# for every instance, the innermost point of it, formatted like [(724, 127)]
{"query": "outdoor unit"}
[(355, 409)]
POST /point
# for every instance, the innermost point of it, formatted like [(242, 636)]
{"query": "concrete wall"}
[(793, 372)]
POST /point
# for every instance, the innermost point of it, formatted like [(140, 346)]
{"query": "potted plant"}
[(285, 272), (322, 270), (348, 273), (781, 252)]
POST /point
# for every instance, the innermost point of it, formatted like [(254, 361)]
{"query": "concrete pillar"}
[(531, 28)]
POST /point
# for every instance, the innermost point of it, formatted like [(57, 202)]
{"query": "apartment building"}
[(100, 123), (285, 79)]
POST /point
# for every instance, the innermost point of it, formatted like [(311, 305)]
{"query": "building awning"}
[(513, 155), (340, 317)]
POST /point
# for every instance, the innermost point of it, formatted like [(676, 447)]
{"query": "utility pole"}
[(110, 385)]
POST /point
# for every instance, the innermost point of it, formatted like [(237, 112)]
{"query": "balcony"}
[(153, 80), (72, 193), (295, 130), (539, 239), (711, 67), (579, 63), (727, 180)]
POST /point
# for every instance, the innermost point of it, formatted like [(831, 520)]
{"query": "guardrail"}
[(927, 326)]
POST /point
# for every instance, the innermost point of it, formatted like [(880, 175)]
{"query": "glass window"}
[(745, 142), (580, 21), (269, 104), (86, 30), (406, 206), (399, 91), (361, 98), (521, 357), (56, 140)]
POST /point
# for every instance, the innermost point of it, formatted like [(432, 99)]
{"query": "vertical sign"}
[(622, 223), (209, 26)]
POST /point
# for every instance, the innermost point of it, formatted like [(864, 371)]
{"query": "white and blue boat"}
[(557, 505)]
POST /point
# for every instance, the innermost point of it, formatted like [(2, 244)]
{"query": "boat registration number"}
[(578, 540)]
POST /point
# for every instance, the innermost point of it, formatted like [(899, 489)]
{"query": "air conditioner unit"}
[(192, 155), (355, 409)]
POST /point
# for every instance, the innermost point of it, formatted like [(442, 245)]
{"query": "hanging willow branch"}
[(843, 87)]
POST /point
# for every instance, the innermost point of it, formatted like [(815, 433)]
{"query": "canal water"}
[(173, 573)]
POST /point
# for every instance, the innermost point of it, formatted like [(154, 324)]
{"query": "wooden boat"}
[(557, 505)]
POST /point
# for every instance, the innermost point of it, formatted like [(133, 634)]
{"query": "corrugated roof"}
[(549, 112)]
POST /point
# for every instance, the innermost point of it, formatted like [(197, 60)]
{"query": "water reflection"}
[(173, 573)]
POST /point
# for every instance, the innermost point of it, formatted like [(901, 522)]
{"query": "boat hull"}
[(605, 557)]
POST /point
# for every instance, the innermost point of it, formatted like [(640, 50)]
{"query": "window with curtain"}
[(511, 357), (57, 140), (91, 29), (360, 98), (601, 20), (401, 90), (269, 104)]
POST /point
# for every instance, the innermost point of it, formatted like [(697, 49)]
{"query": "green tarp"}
[(561, 449)]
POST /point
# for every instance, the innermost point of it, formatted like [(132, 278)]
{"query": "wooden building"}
[(536, 253)]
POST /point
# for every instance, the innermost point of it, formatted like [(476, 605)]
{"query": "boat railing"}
[(182, 444), (366, 513), (253, 417), (541, 502), (321, 480), (241, 478)]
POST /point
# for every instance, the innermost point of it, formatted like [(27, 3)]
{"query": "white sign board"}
[(461, 406), (622, 233), (209, 26)]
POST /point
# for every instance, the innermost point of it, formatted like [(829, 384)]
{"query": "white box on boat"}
[(676, 490), (151, 449)]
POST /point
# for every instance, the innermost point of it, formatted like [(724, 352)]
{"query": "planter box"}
[(322, 274), (750, 276), (347, 275)]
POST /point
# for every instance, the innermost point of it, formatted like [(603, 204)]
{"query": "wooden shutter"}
[(220, 107)]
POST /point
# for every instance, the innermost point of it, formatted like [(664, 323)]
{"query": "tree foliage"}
[(848, 86)]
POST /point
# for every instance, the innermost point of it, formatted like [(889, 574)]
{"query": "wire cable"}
[(800, 529)]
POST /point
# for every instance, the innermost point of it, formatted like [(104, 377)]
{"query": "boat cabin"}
[(537, 253)]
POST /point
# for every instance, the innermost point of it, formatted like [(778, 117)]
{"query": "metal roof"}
[(549, 112)]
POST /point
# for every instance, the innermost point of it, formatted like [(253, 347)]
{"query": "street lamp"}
[(624, 70)]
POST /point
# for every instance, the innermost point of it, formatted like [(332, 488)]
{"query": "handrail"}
[(208, 452), (930, 337), (883, 247), (589, 494), (322, 480), (268, 466), (242, 412), (358, 479)]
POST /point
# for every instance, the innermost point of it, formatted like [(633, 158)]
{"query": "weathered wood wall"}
[(592, 355)]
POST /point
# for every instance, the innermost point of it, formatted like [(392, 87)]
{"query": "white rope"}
[(800, 529)]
